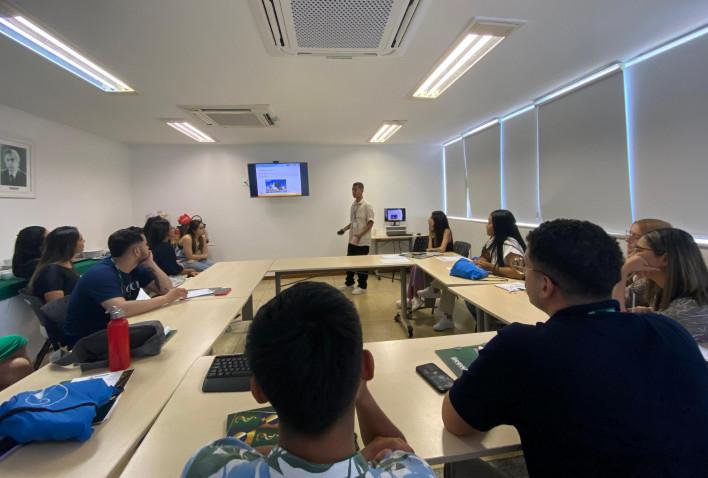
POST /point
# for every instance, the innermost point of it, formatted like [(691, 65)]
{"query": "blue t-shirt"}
[(232, 458), (100, 283), (594, 392)]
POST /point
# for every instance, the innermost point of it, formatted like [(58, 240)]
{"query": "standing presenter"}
[(361, 220)]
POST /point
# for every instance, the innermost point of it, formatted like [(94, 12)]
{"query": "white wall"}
[(209, 180), (81, 180)]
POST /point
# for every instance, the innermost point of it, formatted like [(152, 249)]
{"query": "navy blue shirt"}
[(102, 282), (594, 392)]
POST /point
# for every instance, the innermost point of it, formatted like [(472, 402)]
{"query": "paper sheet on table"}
[(394, 259), (111, 378), (191, 294), (513, 287), (142, 295), (448, 258)]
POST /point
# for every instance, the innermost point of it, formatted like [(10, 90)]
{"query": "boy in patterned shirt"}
[(306, 352)]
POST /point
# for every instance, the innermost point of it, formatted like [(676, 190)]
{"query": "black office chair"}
[(462, 248), (51, 318)]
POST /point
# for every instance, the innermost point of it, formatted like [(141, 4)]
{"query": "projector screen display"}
[(278, 180), (394, 214)]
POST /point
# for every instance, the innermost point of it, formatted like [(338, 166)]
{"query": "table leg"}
[(405, 323), (277, 283), (247, 311)]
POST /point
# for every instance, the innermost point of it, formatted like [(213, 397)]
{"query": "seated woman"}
[(504, 247), (677, 276), (14, 362), (28, 249), (158, 238), (439, 240), (636, 293), (55, 276), (195, 247)]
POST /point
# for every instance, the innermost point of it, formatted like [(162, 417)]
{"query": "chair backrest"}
[(33, 301), (420, 244), (462, 248)]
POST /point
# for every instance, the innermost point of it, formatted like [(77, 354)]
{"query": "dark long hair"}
[(192, 231), (504, 225), (28, 246), (686, 272), (440, 223), (59, 247), (158, 232)]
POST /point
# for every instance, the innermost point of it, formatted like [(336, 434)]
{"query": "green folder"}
[(458, 359)]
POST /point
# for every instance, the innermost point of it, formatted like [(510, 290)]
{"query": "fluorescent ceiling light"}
[(478, 39), (387, 129), (481, 127), (28, 34), (579, 83), (188, 130)]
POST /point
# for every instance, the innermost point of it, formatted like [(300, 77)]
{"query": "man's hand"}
[(340, 232), (380, 446), (148, 261), (175, 294)]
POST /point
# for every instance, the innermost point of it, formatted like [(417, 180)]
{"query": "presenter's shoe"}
[(427, 293), (358, 291), (445, 323)]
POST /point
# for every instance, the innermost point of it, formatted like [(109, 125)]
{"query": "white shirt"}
[(360, 214), (510, 246)]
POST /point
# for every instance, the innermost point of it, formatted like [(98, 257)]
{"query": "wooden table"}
[(314, 265), (440, 271), (506, 306), (241, 276), (192, 418), (198, 325)]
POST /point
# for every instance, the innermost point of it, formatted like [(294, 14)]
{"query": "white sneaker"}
[(416, 304), (358, 291), (345, 287), (444, 323), (427, 293)]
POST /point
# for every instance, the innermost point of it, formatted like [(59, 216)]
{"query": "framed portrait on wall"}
[(16, 178)]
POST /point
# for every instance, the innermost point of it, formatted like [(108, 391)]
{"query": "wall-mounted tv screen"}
[(268, 180)]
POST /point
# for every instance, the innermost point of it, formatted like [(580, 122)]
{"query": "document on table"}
[(448, 258), (394, 259), (513, 287), (192, 293)]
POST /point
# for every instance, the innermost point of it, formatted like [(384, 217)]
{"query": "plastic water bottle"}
[(118, 340)]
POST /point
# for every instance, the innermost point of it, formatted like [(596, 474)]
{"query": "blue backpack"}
[(467, 269), (63, 411)]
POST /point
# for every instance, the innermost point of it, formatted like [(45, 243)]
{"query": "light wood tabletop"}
[(339, 263), (192, 418), (506, 306), (198, 324), (438, 267), (241, 276)]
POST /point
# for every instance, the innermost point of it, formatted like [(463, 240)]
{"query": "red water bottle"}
[(118, 340)]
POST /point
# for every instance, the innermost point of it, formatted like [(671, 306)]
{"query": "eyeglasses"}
[(519, 265), (632, 236), (649, 249)]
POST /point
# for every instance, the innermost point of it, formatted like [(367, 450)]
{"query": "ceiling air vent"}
[(336, 28), (253, 116)]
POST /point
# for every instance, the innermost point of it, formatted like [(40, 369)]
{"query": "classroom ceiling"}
[(209, 52)]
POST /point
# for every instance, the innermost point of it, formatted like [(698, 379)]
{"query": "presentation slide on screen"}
[(278, 180)]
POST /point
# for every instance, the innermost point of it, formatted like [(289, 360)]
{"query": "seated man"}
[(305, 350), (117, 280), (593, 392)]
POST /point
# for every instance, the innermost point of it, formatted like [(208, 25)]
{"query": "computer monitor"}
[(395, 214)]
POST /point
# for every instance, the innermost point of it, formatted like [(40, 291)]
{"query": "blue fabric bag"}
[(467, 269), (63, 411)]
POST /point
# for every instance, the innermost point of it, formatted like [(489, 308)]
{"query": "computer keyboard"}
[(228, 373)]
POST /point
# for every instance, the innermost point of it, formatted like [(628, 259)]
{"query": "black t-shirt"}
[(166, 259), (54, 277), (594, 392)]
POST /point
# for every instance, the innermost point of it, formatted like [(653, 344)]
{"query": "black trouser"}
[(353, 250)]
